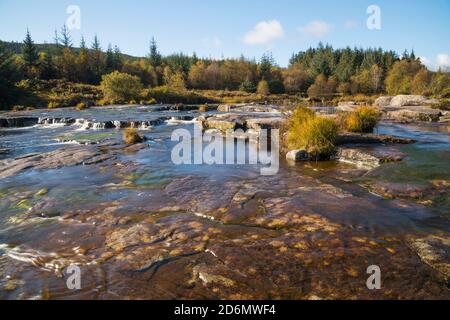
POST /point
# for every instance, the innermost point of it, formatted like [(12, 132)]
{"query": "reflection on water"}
[(141, 227)]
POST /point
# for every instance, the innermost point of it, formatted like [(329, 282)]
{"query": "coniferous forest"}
[(318, 73)]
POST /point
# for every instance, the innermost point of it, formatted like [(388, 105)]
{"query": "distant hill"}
[(16, 48)]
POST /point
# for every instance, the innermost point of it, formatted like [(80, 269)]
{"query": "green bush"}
[(82, 105), (54, 105), (315, 134), (363, 120), (121, 87)]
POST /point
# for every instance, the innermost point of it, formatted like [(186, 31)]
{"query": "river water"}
[(140, 227)]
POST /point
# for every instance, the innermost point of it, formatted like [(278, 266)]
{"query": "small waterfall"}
[(98, 126), (117, 124)]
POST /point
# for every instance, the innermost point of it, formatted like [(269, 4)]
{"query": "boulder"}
[(18, 122), (297, 155), (407, 100), (383, 101), (225, 107), (413, 113), (265, 123), (368, 158)]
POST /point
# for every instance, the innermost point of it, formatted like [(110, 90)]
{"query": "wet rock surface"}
[(369, 158), (71, 156), (434, 251), (141, 228)]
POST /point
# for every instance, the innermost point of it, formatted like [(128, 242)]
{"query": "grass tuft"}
[(131, 136), (315, 134)]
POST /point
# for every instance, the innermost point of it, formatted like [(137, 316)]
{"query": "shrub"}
[(131, 136), (54, 105), (444, 104), (102, 102), (364, 119), (247, 86), (121, 87), (82, 105), (315, 134), (263, 88)]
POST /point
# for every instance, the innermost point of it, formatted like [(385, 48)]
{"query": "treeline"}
[(321, 72), (324, 71)]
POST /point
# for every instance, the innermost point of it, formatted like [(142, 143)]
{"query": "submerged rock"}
[(64, 157), (434, 251), (369, 138)]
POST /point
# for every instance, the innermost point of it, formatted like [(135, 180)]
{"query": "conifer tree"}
[(30, 54)]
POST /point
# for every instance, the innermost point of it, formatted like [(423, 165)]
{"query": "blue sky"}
[(230, 28)]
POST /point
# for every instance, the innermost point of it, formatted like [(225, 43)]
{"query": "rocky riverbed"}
[(140, 227)]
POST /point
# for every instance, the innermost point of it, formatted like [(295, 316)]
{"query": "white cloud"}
[(264, 32), (350, 24), (316, 29), (442, 62)]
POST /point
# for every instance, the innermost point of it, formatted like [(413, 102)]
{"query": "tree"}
[(174, 79), (109, 60), (96, 60), (65, 39), (30, 55), (121, 87), (248, 86), (9, 74), (296, 79), (46, 66), (154, 57), (440, 84), (322, 87), (265, 66), (400, 77), (83, 69), (421, 82), (263, 88), (197, 75)]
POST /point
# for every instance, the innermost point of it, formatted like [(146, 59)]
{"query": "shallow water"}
[(141, 227)]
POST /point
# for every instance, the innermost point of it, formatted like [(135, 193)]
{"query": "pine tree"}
[(155, 57), (30, 54), (82, 43), (109, 60), (118, 63), (96, 60), (84, 74), (66, 39)]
